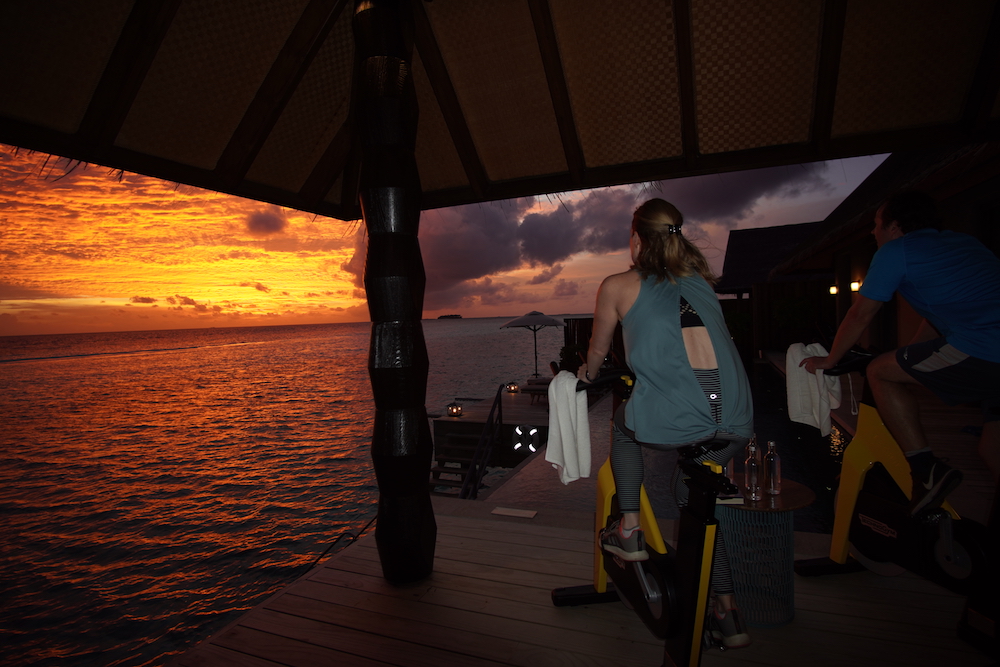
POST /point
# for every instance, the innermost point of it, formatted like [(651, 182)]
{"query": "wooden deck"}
[(488, 599), (488, 603)]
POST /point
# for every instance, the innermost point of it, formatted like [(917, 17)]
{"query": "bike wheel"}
[(955, 562)]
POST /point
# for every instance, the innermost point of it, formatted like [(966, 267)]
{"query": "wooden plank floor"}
[(488, 603)]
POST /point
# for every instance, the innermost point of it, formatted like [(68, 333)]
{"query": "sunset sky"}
[(88, 249)]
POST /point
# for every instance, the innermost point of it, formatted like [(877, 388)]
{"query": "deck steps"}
[(453, 455)]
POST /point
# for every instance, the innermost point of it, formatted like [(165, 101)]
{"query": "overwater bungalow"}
[(380, 109)]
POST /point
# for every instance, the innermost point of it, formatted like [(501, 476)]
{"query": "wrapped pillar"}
[(385, 118)]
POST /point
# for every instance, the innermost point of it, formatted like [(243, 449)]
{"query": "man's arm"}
[(925, 332), (855, 322)]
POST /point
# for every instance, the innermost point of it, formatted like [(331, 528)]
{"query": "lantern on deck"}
[(512, 387), (454, 410)]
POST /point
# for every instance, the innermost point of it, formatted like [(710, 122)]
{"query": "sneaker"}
[(728, 628), (930, 490), (631, 548)]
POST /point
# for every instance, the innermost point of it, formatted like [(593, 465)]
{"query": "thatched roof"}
[(517, 97)]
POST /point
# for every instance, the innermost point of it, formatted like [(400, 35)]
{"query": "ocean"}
[(156, 485)]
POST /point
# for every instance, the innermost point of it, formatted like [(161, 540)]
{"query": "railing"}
[(484, 449)]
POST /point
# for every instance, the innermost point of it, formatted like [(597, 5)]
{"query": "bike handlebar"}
[(606, 377), (856, 359)]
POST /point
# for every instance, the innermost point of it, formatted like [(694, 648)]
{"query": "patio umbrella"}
[(534, 321)]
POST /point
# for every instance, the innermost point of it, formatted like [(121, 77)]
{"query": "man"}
[(953, 281)]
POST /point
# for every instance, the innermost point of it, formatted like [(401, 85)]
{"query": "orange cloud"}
[(79, 245)]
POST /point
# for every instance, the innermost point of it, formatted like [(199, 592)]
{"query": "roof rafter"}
[(447, 98), (828, 72), (685, 77), (330, 166), (140, 38), (291, 64), (545, 32), (767, 156), (986, 80)]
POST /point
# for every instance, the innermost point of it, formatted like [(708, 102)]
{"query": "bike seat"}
[(690, 452)]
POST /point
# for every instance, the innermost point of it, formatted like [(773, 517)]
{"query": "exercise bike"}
[(670, 591), (873, 528)]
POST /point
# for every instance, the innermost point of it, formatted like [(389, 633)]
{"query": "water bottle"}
[(751, 472), (772, 470)]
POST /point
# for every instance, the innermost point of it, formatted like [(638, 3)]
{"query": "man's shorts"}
[(952, 375)]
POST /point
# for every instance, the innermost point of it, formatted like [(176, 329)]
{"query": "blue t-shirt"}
[(951, 279)]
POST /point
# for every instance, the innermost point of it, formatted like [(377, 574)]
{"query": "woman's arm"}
[(614, 298)]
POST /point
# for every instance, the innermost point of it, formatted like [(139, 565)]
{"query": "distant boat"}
[(449, 317)]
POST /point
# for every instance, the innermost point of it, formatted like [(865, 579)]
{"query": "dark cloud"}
[(566, 288), (546, 275), (69, 253), (260, 287), (469, 242), (142, 299), (460, 243), (465, 245), (268, 222), (730, 197), (596, 223), (13, 292)]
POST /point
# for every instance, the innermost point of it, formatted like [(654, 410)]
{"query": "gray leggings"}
[(627, 468)]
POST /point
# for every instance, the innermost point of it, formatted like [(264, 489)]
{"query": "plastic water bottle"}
[(751, 472), (772, 470)]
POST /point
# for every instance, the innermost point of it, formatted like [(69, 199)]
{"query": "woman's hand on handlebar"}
[(812, 364), (581, 373)]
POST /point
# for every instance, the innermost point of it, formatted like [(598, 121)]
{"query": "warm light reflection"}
[(855, 286), (838, 441), (833, 289)]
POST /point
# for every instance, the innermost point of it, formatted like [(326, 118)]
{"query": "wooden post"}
[(385, 117)]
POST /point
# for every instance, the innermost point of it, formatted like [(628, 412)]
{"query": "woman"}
[(690, 383)]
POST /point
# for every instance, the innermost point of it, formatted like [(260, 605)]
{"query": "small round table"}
[(760, 539)]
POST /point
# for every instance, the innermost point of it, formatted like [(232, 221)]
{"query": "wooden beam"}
[(986, 81), (291, 64), (430, 54), (828, 71), (545, 33), (679, 167), (33, 137), (138, 43), (685, 78), (351, 182), (330, 165)]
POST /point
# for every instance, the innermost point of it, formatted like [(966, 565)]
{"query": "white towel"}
[(568, 449), (810, 397)]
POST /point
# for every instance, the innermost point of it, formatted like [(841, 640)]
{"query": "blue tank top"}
[(668, 406)]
